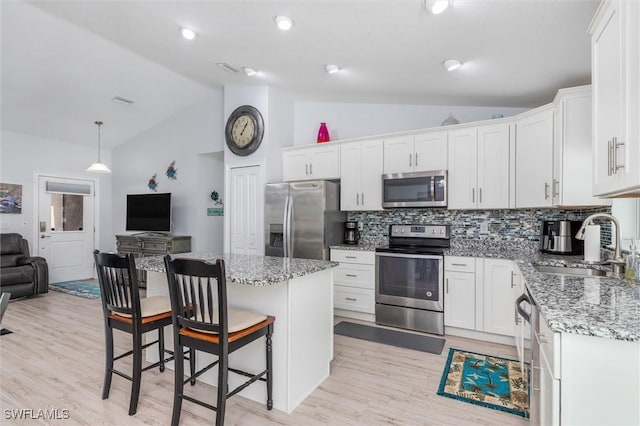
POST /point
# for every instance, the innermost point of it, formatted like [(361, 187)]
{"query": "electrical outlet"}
[(484, 227), (360, 226)]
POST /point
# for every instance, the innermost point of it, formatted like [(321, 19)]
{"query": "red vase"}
[(323, 133)]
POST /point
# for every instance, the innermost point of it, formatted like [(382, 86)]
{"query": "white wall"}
[(351, 120), (23, 156), (191, 138)]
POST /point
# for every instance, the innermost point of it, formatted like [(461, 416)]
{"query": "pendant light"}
[(98, 166)]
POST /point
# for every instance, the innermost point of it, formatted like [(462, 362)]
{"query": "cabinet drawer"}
[(128, 245), (459, 264), (158, 246), (354, 275), (354, 299), (353, 256)]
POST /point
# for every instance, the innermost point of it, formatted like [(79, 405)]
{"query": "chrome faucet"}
[(617, 263)]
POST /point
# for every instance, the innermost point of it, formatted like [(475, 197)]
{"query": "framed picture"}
[(10, 198)]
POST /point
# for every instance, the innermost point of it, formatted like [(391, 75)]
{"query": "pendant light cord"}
[(99, 123)]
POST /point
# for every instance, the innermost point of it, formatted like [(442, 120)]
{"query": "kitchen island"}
[(298, 292)]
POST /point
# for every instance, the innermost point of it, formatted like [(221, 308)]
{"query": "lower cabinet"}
[(480, 294), (354, 283)]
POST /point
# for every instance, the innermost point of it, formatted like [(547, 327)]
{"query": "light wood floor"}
[(54, 360)]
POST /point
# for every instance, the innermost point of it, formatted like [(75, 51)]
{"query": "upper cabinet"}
[(534, 158), (360, 182), (478, 167), (315, 162), (572, 147), (416, 153), (615, 61)]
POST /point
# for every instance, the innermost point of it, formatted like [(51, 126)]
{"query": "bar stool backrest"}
[(118, 284)]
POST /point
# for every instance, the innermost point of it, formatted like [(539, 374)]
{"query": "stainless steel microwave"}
[(416, 189)]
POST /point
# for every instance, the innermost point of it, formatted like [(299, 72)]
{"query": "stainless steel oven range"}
[(410, 278)]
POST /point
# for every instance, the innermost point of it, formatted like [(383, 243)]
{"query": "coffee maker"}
[(351, 233), (559, 237)]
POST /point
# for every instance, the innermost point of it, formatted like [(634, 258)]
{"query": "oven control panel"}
[(420, 231)]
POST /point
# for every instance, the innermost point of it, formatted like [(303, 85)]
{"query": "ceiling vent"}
[(227, 67), (121, 100)]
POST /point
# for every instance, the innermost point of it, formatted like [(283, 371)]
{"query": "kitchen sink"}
[(578, 272)]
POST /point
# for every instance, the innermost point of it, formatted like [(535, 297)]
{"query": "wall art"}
[(153, 184), (10, 198), (172, 172), (216, 198)]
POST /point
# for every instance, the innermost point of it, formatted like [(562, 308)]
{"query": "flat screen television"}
[(149, 212)]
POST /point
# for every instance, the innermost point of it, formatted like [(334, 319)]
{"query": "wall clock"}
[(244, 130)]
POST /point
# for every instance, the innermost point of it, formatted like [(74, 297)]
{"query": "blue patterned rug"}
[(485, 380), (78, 288)]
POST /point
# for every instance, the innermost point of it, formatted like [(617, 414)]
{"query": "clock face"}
[(244, 130)]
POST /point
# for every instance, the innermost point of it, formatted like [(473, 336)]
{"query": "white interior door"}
[(247, 201), (66, 227)]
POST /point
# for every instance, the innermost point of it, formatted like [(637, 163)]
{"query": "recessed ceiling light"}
[(452, 64), (249, 71), (283, 22), (332, 69), (187, 33), (437, 6)]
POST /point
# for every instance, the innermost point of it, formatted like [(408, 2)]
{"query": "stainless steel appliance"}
[(410, 278), (559, 237), (302, 219), (351, 233), (419, 189), (530, 355)]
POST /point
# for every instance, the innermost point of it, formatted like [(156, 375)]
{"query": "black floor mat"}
[(401, 339)]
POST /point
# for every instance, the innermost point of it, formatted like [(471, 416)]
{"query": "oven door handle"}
[(524, 314), (410, 256)]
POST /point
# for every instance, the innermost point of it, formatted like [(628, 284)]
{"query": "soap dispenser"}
[(631, 262)]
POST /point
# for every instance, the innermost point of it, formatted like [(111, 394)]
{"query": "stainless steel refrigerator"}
[(302, 219)]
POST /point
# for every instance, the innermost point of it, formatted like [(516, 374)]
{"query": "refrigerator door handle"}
[(285, 227), (289, 226)]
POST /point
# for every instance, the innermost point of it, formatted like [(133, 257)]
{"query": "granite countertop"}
[(247, 269), (606, 307), (362, 245)]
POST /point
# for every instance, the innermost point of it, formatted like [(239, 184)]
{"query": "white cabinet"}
[(460, 292), (572, 149), (478, 164), (416, 153), (354, 283), (501, 289), (534, 158), (615, 52), (313, 162), (360, 182)]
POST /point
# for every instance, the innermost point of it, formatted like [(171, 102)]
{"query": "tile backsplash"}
[(501, 224)]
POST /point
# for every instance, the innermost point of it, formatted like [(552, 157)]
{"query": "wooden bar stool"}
[(202, 321), (124, 310)]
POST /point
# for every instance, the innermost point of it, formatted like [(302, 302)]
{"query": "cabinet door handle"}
[(306, 169), (409, 159), (357, 199), (480, 195), (546, 191), (556, 184), (362, 198), (511, 279), (458, 264), (447, 282), (609, 157), (351, 299), (310, 168), (616, 146), (351, 275), (350, 257), (473, 195), (416, 159)]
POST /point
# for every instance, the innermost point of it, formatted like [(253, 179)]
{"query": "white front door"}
[(245, 215), (66, 227)]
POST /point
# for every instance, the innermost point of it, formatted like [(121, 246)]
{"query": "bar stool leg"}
[(108, 365), (269, 368), (178, 382), (137, 373), (161, 347)]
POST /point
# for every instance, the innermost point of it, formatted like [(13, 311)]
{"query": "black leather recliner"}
[(20, 274)]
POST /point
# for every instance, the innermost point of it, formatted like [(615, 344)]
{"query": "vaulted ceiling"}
[(63, 61)]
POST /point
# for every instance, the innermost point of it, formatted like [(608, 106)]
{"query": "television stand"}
[(152, 244)]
